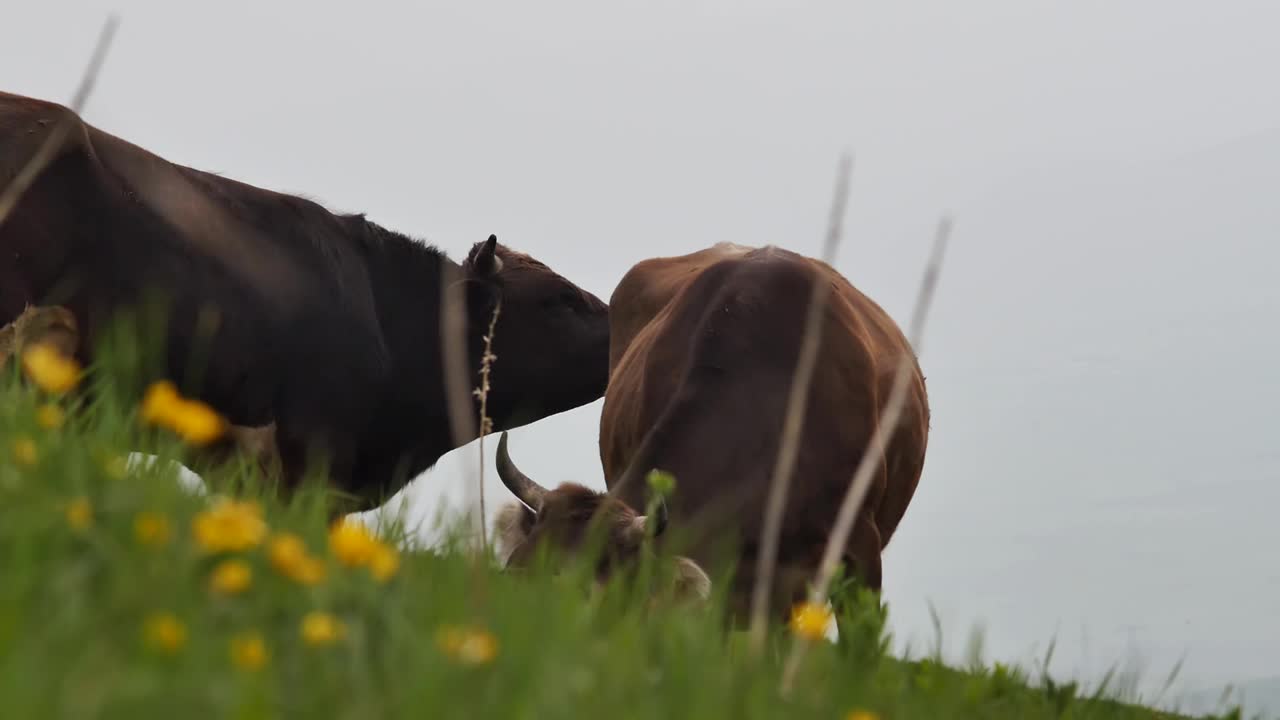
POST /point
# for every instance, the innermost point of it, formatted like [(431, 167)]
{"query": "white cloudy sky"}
[(1102, 467)]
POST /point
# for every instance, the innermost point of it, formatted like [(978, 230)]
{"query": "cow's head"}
[(551, 341), (563, 518)]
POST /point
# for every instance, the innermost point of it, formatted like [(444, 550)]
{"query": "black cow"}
[(327, 326)]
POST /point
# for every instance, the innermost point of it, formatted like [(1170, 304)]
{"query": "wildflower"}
[(469, 646), (231, 577), (160, 401), (192, 420), (24, 451), (809, 620), (50, 416), (249, 651), (321, 628), (229, 525), (151, 528), (861, 715), (289, 556), (79, 513), (51, 370), (116, 467), (384, 563), (164, 632), (355, 546), (352, 543)]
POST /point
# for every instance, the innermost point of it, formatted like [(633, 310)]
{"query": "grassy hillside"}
[(124, 596)]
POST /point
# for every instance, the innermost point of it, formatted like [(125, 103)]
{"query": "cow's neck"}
[(406, 277)]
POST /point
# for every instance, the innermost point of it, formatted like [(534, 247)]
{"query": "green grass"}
[(73, 604)]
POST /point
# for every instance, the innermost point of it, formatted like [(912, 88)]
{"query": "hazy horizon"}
[(1101, 467)]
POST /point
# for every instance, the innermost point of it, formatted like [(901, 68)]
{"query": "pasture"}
[(125, 595)]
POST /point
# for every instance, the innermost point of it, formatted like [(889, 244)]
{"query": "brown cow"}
[(324, 326), (703, 349)]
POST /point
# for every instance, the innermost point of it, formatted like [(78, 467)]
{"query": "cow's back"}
[(108, 225)]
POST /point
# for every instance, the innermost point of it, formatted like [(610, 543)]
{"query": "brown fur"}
[(703, 348), (564, 520)]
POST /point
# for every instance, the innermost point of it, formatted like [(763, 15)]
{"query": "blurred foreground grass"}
[(124, 595)]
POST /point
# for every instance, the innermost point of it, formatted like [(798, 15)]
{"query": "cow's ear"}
[(483, 260), (691, 581)]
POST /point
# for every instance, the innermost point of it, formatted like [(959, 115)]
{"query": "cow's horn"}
[(658, 518), (526, 490)]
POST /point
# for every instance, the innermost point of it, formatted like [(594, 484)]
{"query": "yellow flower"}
[(354, 546), (861, 715), (289, 556), (231, 577), (164, 632), (809, 620), (198, 423), (352, 543), (230, 526), (469, 646), (249, 651), (79, 513), (24, 451), (151, 528), (160, 401), (50, 416), (321, 628), (192, 420), (384, 563), (51, 370)]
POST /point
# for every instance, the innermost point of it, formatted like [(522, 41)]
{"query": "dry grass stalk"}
[(27, 175), (453, 350), (486, 425), (890, 416), (798, 399)]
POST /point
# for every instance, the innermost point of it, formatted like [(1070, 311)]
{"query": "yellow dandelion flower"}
[(288, 555), (152, 529), (809, 620), (309, 572), (193, 421), (384, 563), (861, 715), (352, 543), (50, 416), (164, 632), (469, 646), (249, 651), (231, 577), (160, 401), (51, 370), (321, 628), (230, 526), (79, 513), (24, 451), (198, 423)]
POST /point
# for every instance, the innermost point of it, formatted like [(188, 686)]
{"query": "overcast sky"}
[(1102, 466)]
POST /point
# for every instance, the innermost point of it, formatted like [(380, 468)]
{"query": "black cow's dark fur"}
[(326, 324)]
